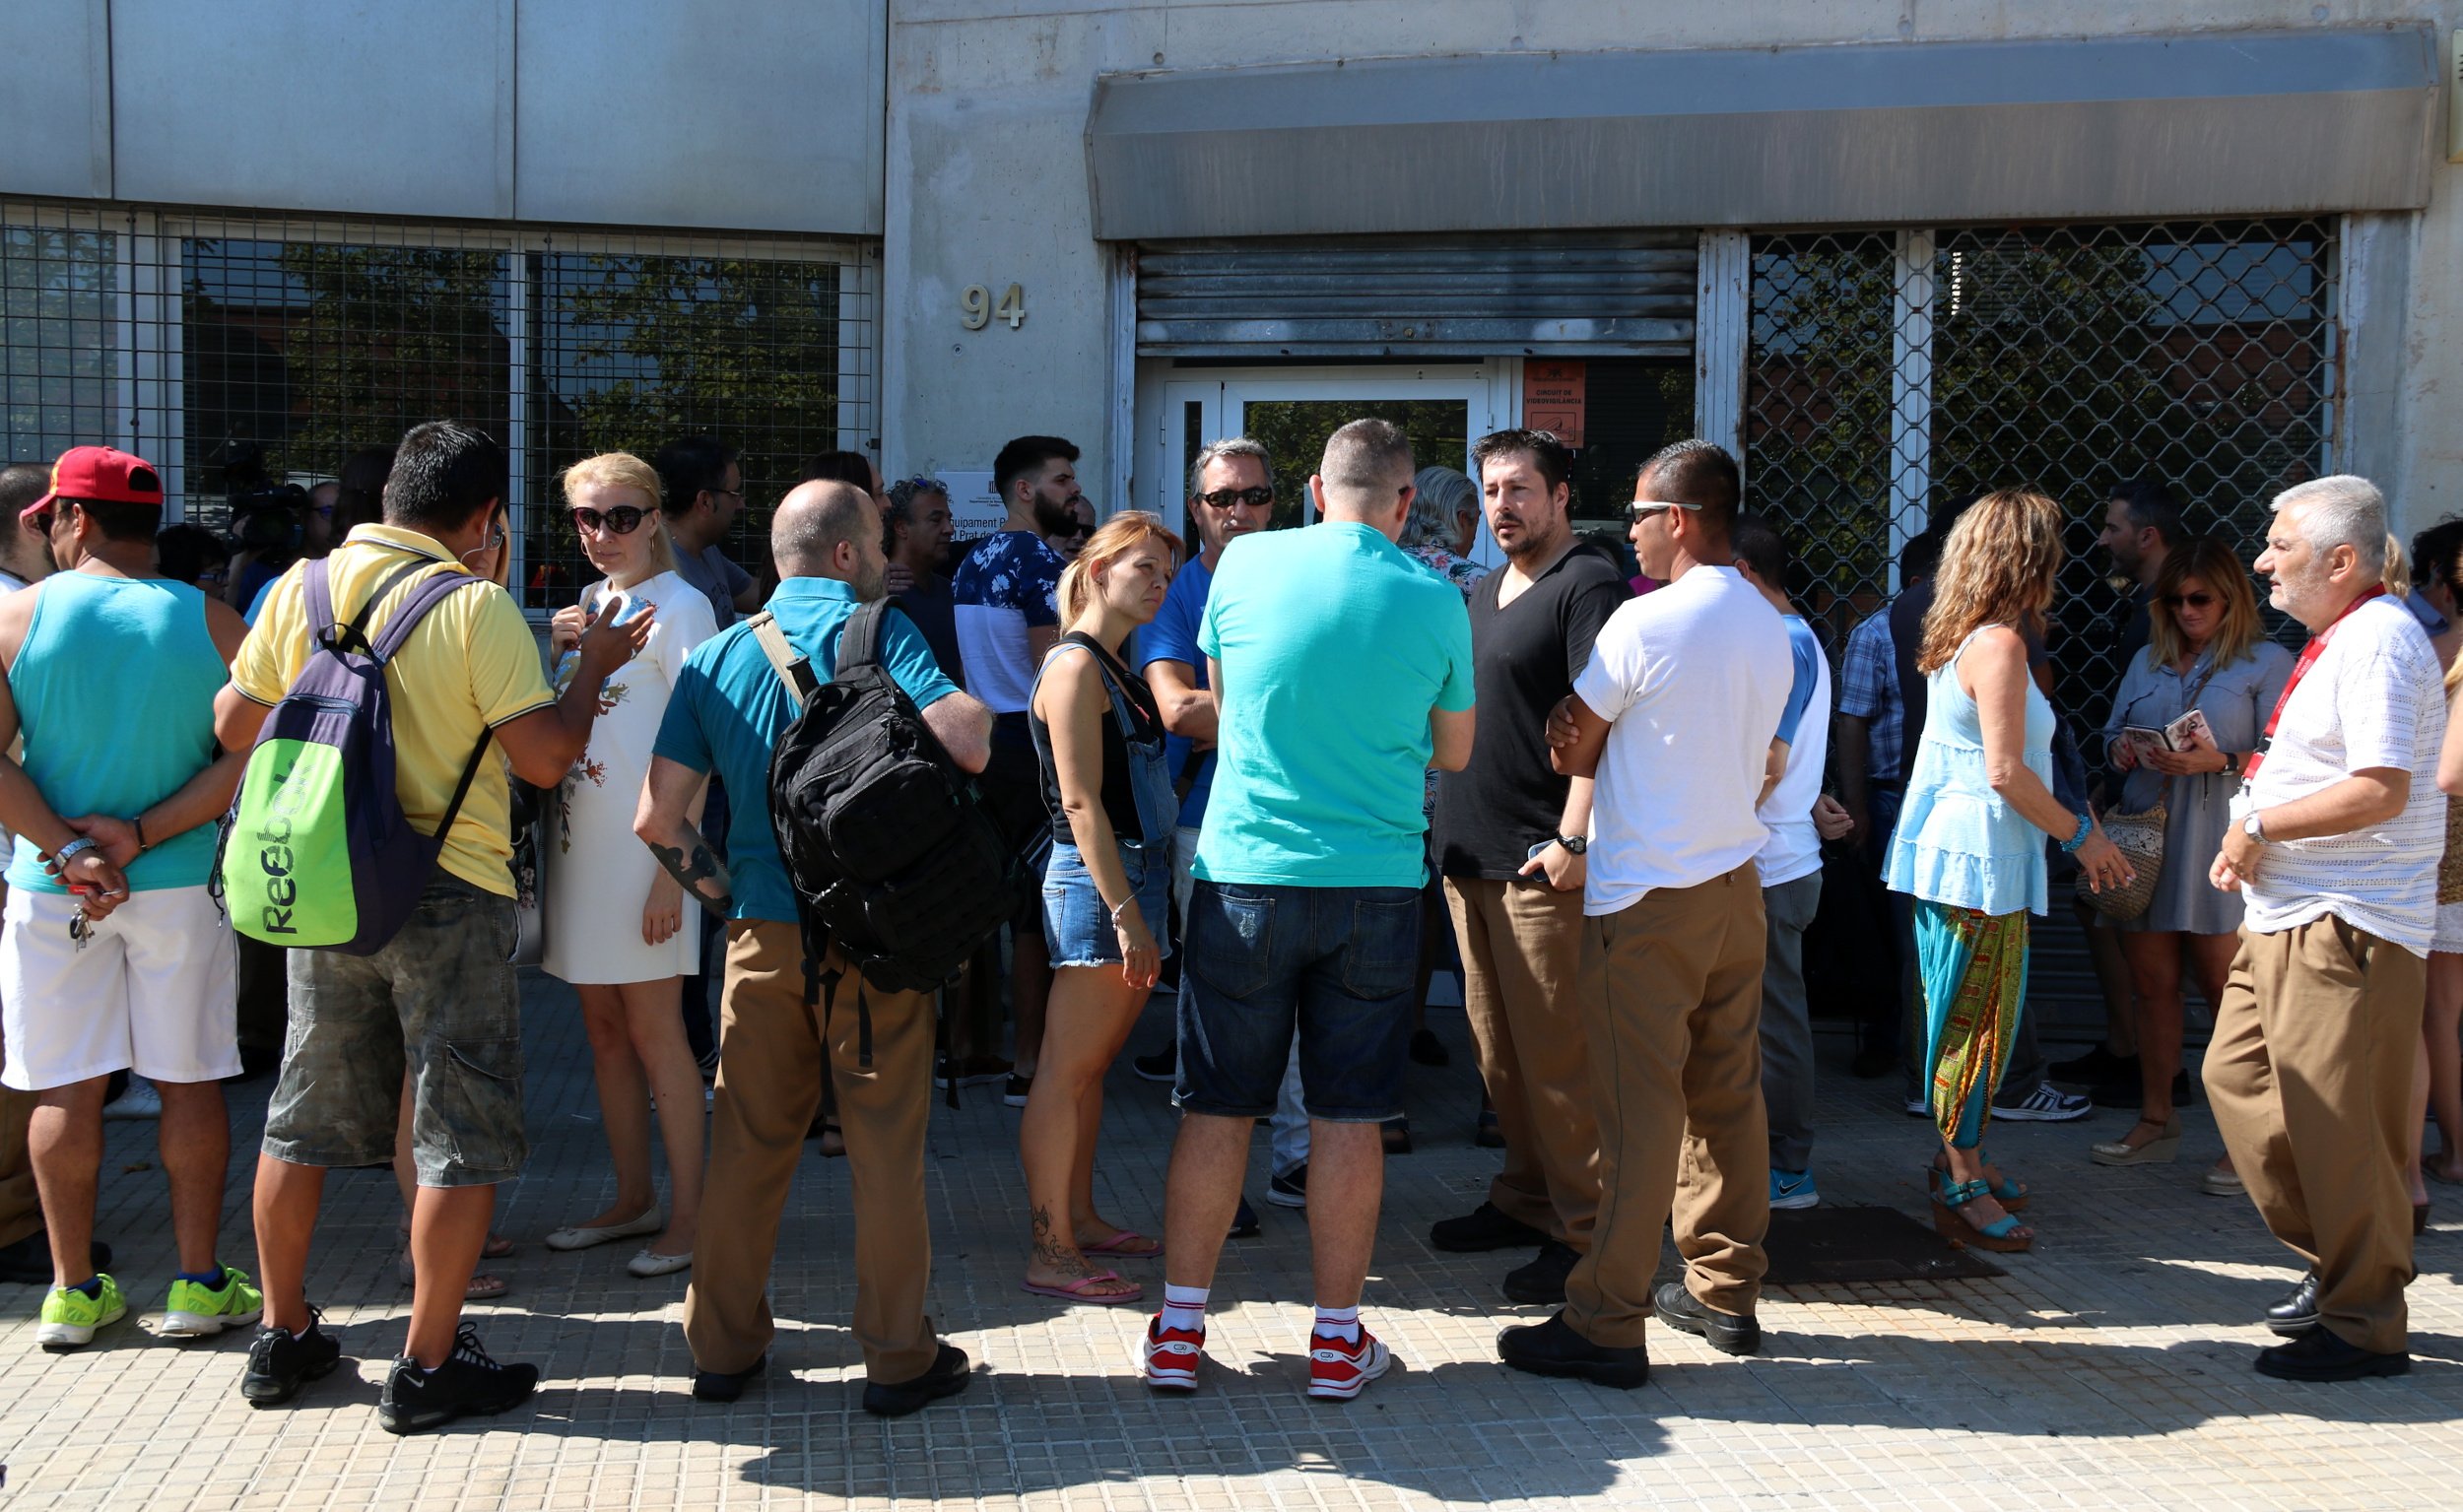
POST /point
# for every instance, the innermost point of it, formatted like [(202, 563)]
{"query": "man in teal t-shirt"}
[(1343, 671)]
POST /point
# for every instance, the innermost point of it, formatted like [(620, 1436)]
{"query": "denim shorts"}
[(440, 1001), (1076, 927), (1334, 965)]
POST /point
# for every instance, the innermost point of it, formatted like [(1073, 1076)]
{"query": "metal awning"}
[(1923, 132)]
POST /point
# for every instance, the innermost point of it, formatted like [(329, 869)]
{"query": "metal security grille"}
[(245, 352), (1630, 294), (1893, 372)]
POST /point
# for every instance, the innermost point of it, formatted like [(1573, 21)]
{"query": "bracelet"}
[(139, 825), (2086, 827), (1119, 909)]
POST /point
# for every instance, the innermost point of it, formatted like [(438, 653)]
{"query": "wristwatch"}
[(2250, 827), (1574, 844)]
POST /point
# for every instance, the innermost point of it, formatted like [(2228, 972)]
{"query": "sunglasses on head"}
[(2190, 600), (623, 520), (1233, 498)]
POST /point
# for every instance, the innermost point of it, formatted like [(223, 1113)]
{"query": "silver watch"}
[(2250, 827)]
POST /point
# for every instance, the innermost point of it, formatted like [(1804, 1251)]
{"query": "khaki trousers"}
[(769, 1065), (2310, 1075), (1521, 970), (1672, 1000)]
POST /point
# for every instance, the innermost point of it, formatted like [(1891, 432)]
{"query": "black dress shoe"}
[(2096, 1065), (2297, 1313), (1481, 1229), (2320, 1355), (28, 1262), (1727, 1333), (1542, 1283), (727, 1385), (1552, 1347), (1486, 1134), (947, 1376)]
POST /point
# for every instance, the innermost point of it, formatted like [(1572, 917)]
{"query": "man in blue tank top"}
[(114, 955)]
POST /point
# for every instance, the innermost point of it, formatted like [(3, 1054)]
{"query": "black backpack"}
[(892, 853)]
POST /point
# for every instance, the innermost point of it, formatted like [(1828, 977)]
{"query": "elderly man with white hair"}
[(2334, 845)]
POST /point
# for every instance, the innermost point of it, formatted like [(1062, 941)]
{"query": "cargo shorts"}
[(440, 1001)]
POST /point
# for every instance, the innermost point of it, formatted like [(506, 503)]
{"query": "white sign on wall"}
[(976, 509)]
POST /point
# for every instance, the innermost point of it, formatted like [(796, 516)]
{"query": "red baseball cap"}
[(100, 474)]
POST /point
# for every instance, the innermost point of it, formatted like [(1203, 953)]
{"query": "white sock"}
[(1185, 1306), (1338, 1322)]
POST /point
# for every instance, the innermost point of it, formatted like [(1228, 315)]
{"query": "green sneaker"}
[(70, 1317), (198, 1311)]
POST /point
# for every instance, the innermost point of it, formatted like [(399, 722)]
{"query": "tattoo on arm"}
[(700, 867)]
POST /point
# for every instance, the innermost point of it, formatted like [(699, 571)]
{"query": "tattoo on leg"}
[(702, 866), (1049, 1250)]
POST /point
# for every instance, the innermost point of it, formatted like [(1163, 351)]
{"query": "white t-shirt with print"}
[(2372, 698), (1692, 679)]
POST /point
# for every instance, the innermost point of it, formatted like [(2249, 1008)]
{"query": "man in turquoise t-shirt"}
[(1343, 671), (725, 716)]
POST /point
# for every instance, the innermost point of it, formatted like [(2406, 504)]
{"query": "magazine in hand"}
[(2187, 733)]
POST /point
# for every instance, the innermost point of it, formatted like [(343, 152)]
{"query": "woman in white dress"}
[(619, 927)]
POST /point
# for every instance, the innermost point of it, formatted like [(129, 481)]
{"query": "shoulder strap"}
[(317, 588), (793, 669), (426, 596), (859, 644)]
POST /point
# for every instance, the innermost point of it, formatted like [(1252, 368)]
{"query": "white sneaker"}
[(141, 1100), (2047, 1105)]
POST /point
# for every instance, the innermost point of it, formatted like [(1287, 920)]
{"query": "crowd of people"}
[(1283, 770)]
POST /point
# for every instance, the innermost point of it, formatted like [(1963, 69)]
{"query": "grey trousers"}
[(1787, 1022)]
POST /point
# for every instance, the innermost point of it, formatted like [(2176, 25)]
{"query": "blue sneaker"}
[(1793, 1188)]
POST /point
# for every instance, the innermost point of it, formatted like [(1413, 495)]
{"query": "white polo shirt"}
[(1692, 679), (2373, 699)]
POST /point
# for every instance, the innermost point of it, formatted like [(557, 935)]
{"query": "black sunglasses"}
[(623, 520), (2192, 599), (1233, 498)]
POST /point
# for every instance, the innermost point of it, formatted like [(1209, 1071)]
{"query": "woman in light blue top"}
[(1970, 843)]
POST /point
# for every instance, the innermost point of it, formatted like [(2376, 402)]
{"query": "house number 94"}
[(976, 309)]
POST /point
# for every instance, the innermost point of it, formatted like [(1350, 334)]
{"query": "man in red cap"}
[(114, 955)]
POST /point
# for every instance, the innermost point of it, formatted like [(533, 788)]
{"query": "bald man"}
[(727, 712)]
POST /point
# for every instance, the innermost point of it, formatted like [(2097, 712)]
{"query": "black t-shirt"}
[(1524, 658), (1120, 804)]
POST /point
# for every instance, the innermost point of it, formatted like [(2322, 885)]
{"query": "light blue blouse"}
[(1957, 841)]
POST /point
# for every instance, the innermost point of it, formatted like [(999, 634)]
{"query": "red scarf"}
[(2300, 669)]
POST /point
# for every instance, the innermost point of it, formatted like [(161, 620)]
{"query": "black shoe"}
[(1727, 1333), (281, 1362), (1542, 1282), (1488, 1134), (1428, 1050), (28, 1262), (1015, 1093), (2096, 1066), (1290, 1189), (1395, 1134), (948, 1377), (725, 1385), (2297, 1313), (1163, 1066), (1552, 1347), (1244, 1222), (1481, 1229), (468, 1382), (2319, 1354)]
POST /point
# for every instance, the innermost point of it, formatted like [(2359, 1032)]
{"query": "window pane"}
[(1295, 431), (637, 351), (58, 294)]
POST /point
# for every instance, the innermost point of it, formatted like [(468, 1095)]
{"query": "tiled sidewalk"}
[(2108, 1368)]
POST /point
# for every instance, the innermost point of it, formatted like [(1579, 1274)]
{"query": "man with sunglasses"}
[(701, 487)]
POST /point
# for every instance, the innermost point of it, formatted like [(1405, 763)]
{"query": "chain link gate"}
[(1891, 372)]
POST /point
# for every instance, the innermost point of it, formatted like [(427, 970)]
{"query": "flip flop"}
[(1076, 1290), (1118, 1244)]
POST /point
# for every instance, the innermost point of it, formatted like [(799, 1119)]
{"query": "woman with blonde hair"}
[(1099, 739), (1969, 844), (2206, 651), (619, 927)]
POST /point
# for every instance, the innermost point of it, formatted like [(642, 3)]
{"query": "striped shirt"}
[(2372, 699)]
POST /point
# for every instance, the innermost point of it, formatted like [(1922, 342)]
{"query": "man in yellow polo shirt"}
[(440, 997)]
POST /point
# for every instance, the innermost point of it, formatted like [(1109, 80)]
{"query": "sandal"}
[(2002, 1235), (1075, 1291), (1122, 1244), (2159, 1151), (482, 1287), (2012, 1195)]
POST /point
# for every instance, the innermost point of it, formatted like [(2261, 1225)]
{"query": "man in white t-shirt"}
[(2334, 846), (1800, 816), (1673, 718)]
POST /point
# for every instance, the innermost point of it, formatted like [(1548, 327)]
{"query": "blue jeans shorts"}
[(1333, 964), (1076, 927)]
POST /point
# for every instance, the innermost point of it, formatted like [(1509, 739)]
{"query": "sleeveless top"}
[(1135, 720), (1957, 841), (114, 689)]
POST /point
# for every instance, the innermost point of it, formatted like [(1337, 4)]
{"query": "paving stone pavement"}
[(2109, 1367)]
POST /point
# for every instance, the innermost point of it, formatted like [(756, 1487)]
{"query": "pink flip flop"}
[(1076, 1291), (1118, 1244)]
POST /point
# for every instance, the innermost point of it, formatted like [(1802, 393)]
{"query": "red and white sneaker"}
[(1167, 1356), (1338, 1369)]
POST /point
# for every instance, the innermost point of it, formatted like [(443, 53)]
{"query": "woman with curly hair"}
[(1969, 844)]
